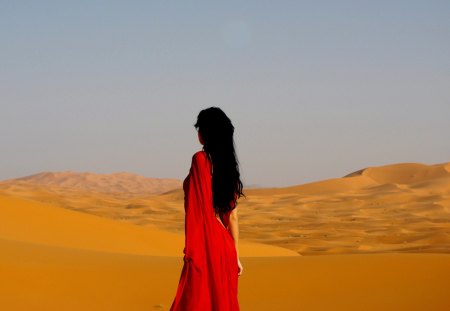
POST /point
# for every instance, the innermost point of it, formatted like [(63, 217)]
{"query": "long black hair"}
[(216, 131)]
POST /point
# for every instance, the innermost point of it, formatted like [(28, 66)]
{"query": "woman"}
[(209, 279)]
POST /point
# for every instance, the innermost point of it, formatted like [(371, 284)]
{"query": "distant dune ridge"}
[(115, 183), (84, 241), (405, 173)]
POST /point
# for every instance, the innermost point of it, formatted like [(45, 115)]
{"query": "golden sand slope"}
[(38, 277), (26, 220)]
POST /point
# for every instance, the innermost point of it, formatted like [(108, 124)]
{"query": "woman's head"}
[(215, 128), (216, 135)]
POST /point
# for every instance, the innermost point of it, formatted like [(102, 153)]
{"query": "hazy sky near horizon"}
[(315, 89)]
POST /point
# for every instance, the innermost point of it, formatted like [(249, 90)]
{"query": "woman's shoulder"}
[(201, 160), (199, 155)]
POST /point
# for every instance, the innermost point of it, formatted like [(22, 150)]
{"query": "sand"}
[(383, 234), (117, 183), (394, 208), (46, 224), (38, 277)]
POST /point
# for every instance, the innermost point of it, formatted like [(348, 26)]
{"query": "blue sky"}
[(315, 89)]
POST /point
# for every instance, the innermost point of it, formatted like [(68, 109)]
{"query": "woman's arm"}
[(234, 229)]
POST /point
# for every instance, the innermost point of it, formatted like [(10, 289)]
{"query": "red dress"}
[(209, 279)]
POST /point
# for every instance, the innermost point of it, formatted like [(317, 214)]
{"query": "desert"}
[(377, 238)]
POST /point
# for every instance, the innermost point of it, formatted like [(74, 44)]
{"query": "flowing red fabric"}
[(209, 279)]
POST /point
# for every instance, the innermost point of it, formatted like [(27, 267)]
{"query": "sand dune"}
[(41, 223), (394, 208), (26, 220), (117, 183), (407, 173)]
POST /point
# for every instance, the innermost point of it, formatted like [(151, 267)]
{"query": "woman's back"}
[(209, 280)]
